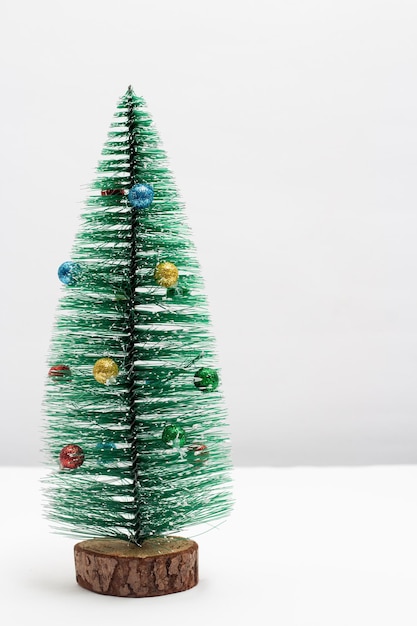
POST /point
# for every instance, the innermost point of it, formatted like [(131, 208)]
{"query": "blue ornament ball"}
[(69, 272), (140, 196), (105, 452)]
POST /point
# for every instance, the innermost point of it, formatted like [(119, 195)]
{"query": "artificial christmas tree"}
[(135, 422)]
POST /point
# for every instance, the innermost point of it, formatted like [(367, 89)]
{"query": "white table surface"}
[(304, 547)]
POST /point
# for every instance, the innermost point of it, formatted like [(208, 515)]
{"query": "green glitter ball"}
[(173, 436), (206, 379)]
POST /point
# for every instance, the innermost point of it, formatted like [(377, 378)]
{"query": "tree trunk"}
[(115, 567)]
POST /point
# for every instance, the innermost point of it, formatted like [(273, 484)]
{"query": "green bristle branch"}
[(149, 421)]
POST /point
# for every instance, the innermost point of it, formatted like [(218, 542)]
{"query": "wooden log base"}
[(115, 567)]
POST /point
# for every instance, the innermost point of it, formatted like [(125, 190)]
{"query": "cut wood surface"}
[(115, 567)]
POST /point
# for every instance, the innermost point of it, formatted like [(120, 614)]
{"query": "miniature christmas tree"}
[(135, 422)]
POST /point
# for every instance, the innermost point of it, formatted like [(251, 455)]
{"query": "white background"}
[(336, 546), (291, 127)]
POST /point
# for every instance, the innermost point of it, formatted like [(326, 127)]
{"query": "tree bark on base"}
[(161, 565)]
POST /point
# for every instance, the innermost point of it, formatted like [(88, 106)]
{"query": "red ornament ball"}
[(112, 192), (71, 456), (59, 372), (197, 453)]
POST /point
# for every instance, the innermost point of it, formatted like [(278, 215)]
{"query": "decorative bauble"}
[(69, 272), (206, 379), (104, 450), (71, 456), (112, 192), (166, 274), (105, 370), (197, 453), (173, 436), (59, 372), (140, 196)]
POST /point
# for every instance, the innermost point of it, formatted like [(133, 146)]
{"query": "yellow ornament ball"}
[(105, 370), (166, 274)]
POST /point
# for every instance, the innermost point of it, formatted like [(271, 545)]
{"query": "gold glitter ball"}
[(166, 274), (105, 370)]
